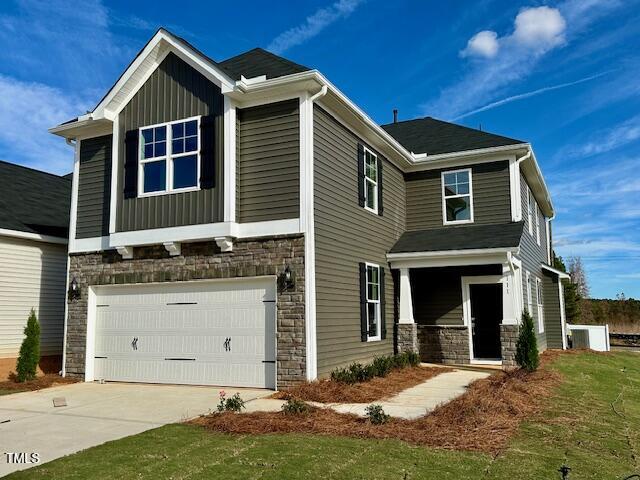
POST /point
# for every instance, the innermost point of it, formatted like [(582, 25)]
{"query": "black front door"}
[(486, 316)]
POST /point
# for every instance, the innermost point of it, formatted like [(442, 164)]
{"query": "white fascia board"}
[(33, 236), (94, 244), (84, 128), (450, 258), (531, 170), (560, 274), (424, 161)]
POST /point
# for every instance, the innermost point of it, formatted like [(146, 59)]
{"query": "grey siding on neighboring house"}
[(532, 256), (345, 235), (491, 198), (268, 162), (437, 293), (174, 91), (552, 316), (94, 187)]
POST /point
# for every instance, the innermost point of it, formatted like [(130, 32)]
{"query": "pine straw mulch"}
[(44, 381), (483, 419), (378, 388)]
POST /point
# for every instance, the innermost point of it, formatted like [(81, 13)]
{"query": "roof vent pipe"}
[(395, 115)]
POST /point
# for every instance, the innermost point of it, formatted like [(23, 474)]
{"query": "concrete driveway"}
[(96, 414)]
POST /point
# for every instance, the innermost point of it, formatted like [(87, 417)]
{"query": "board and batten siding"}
[(437, 293), (32, 275), (532, 256), (491, 196), (268, 162), (173, 92), (552, 315), (94, 187), (345, 235)]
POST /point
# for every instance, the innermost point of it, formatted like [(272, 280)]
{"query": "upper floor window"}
[(370, 181), (373, 301), (457, 196), (531, 202), (169, 157), (537, 213)]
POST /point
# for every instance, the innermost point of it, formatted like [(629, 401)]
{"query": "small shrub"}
[(231, 404), (293, 406), (527, 346), (29, 356), (376, 414), (380, 367)]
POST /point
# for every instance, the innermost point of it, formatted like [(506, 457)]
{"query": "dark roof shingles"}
[(258, 62), (33, 201), (432, 136), (461, 237)]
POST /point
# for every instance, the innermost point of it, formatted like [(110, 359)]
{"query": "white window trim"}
[(378, 336), (529, 296), (537, 212), (444, 199), (529, 216), (540, 305), (168, 157), (367, 179)]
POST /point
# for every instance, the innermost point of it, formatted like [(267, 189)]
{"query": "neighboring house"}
[(244, 223), (34, 222)]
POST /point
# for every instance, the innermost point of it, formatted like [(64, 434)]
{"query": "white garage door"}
[(201, 333)]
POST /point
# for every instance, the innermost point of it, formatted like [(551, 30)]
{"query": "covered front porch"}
[(459, 306)]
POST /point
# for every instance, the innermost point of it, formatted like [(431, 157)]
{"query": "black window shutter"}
[(364, 323), (131, 152), (383, 304), (360, 175), (207, 152), (380, 183)]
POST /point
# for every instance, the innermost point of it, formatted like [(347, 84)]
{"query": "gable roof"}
[(33, 201), (462, 237), (431, 136), (258, 62)]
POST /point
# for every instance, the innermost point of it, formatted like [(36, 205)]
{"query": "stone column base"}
[(406, 337), (508, 340), (444, 344)]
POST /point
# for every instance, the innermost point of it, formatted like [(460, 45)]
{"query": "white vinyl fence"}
[(595, 337)]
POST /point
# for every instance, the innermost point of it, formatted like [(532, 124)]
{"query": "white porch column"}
[(406, 303), (509, 296)]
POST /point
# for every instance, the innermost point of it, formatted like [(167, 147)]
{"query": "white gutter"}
[(449, 253), (421, 158), (566, 276), (33, 236), (320, 94)]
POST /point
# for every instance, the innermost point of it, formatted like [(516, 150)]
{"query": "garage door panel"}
[(210, 334)]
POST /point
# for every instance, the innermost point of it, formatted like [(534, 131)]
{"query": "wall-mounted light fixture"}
[(287, 279), (74, 290)]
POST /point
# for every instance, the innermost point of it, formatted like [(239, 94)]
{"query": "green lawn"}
[(580, 428)]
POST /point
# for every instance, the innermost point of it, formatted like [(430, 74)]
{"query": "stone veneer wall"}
[(444, 344), (199, 261), (407, 337), (508, 340)]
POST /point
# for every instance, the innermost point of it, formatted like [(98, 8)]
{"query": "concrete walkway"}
[(412, 403), (96, 414)]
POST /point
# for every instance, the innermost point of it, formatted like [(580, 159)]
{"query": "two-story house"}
[(244, 223)]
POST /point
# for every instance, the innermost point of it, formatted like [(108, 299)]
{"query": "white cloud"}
[(536, 32), (541, 28), (313, 25), (27, 110), (482, 44)]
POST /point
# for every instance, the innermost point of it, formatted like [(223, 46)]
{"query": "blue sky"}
[(563, 75)]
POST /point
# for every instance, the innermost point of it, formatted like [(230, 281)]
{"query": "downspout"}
[(319, 94)]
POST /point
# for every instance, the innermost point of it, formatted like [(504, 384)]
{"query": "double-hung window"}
[(373, 301), (540, 307), (530, 209), (457, 197), (169, 157), (529, 295), (370, 181), (537, 213)]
